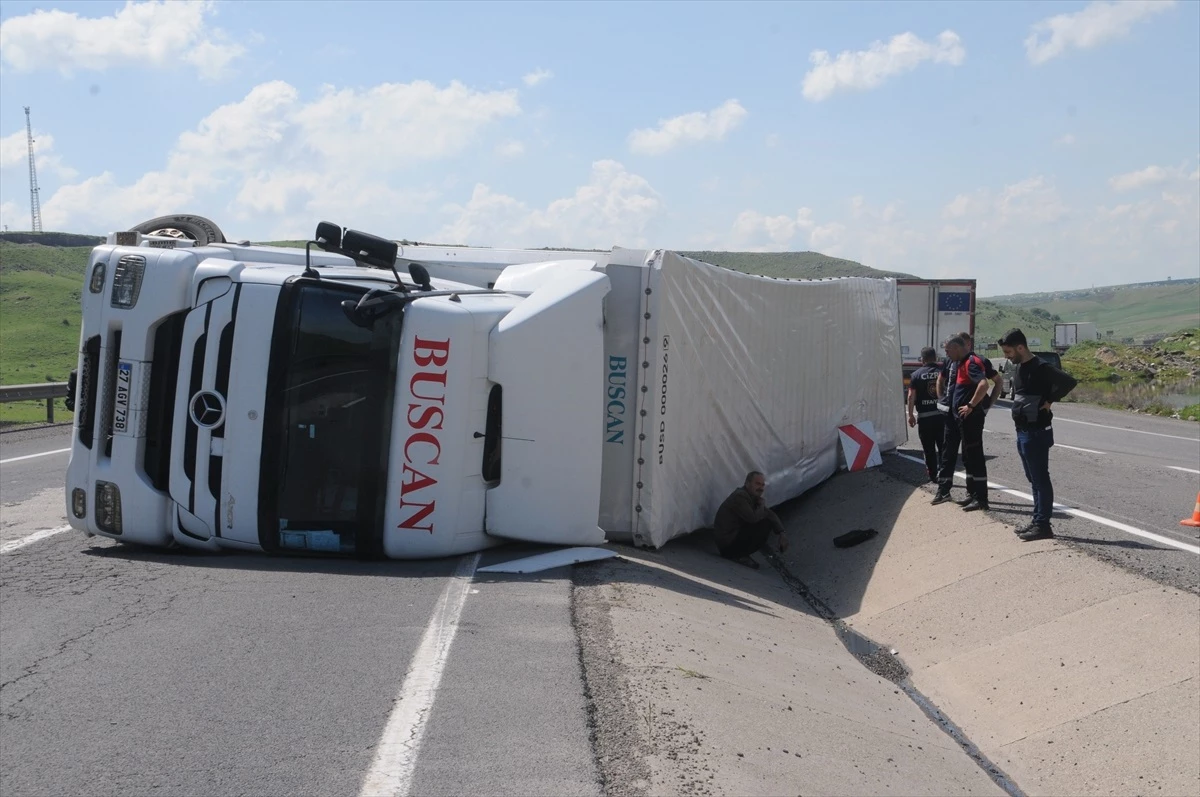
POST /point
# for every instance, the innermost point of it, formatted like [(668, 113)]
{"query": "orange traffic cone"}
[(1194, 522)]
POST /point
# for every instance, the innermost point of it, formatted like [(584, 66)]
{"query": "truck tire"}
[(183, 225)]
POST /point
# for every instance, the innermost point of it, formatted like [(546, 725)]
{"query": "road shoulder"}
[(707, 678), (1073, 675)]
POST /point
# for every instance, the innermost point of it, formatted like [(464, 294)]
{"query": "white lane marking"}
[(1185, 470), (1058, 418), (1084, 450), (1079, 513), (396, 755), (33, 456), (9, 547)]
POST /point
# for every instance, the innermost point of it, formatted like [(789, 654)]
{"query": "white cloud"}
[(765, 233), (537, 76), (1143, 178), (10, 216), (963, 204), (510, 149), (158, 34), (274, 158), (1066, 140), (615, 207), (1096, 24), (1020, 234), (14, 153), (712, 125), (870, 68), (1033, 200)]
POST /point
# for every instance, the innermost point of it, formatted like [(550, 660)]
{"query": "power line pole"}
[(35, 205)]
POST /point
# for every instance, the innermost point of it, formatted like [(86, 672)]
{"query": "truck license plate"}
[(121, 406)]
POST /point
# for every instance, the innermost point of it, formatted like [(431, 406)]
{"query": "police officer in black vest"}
[(923, 411)]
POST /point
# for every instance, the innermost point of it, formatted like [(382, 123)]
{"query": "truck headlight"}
[(127, 280), (97, 283), (108, 507), (79, 502)]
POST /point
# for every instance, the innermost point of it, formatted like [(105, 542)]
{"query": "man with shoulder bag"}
[(1036, 385)]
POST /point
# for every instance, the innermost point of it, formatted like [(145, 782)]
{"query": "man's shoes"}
[(940, 498), (974, 505), (965, 501), (1037, 532), (748, 562)]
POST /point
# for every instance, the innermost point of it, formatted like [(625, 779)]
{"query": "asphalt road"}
[(1136, 470), (26, 464), (127, 671)]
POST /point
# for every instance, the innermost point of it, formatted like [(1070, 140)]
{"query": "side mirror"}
[(370, 249), (420, 275), (328, 236), (373, 305)]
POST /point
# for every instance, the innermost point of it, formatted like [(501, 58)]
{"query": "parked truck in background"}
[(930, 312), (313, 401), (1067, 335)]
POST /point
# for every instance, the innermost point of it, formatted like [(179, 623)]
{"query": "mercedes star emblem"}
[(207, 409)]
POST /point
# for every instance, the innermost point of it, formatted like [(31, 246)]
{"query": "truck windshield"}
[(327, 423)]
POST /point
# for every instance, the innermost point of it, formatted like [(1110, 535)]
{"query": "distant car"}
[(1051, 357)]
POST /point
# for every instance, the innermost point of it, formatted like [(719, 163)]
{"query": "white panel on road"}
[(545, 561)]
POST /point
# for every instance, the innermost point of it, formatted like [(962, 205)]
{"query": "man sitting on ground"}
[(744, 522)]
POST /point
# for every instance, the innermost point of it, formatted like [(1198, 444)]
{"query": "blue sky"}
[(1040, 145)]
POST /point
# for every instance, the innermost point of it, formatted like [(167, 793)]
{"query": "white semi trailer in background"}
[(932, 311), (231, 396), (1068, 334)]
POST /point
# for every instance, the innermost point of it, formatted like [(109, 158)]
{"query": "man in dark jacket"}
[(966, 392), (923, 412), (1036, 384), (744, 522)]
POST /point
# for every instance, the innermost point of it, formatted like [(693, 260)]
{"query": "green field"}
[(39, 320), (1130, 311), (992, 320)]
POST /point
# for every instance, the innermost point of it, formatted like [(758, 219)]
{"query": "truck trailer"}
[(313, 401), (932, 311), (1068, 334)]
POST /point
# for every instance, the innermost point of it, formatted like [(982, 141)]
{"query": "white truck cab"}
[(283, 400)]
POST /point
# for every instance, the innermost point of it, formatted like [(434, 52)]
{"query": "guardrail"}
[(45, 390)]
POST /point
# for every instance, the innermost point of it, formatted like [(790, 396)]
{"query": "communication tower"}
[(35, 205)]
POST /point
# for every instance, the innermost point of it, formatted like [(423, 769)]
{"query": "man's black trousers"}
[(931, 430), (969, 433), (751, 537)]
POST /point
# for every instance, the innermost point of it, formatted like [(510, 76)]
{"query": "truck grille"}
[(210, 369), (164, 370), (110, 391), (89, 379)]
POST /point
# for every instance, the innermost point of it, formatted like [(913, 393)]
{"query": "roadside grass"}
[(39, 321), (1190, 413), (1182, 357)]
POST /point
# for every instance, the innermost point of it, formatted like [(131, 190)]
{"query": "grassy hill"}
[(39, 319), (1130, 311), (993, 319), (791, 265)]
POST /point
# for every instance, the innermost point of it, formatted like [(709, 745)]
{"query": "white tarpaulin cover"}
[(754, 373)]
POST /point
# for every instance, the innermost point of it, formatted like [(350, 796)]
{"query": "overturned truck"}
[(236, 396)]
